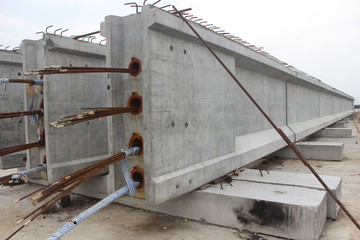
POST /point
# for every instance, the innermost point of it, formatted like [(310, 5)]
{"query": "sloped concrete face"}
[(315, 150), (196, 124), (334, 133), (12, 131)]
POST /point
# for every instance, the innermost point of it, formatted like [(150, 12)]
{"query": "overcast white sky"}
[(319, 37)]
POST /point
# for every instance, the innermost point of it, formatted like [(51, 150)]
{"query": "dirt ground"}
[(122, 222)]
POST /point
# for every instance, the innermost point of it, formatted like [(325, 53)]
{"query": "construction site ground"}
[(122, 222)]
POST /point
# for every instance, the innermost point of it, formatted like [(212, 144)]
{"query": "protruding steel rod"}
[(279, 131), (19, 114), (71, 181), (91, 115), (85, 35), (18, 148), (133, 69), (14, 80)]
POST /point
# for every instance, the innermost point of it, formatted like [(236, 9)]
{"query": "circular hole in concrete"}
[(136, 141), (108, 87), (138, 176), (186, 124), (19, 74), (177, 185), (135, 67), (171, 48), (173, 124), (135, 100), (185, 52)]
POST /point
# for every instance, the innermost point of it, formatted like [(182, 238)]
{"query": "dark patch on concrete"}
[(269, 213), (264, 213)]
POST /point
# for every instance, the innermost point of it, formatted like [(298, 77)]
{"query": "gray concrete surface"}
[(68, 149), (315, 150), (334, 133), (278, 210), (339, 124), (196, 124), (299, 180), (12, 131), (121, 222), (13, 160)]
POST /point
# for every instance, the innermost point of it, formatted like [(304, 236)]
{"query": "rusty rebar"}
[(85, 35), (20, 114), (71, 181), (91, 115), (5, 179), (279, 131), (133, 69), (18, 148), (21, 81)]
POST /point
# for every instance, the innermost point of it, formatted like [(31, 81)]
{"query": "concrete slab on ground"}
[(315, 150), (334, 133), (278, 210), (299, 180)]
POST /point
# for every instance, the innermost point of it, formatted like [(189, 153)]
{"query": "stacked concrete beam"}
[(12, 131), (72, 148), (196, 123)]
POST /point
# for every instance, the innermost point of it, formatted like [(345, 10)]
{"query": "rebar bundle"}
[(33, 82), (20, 177), (67, 184), (134, 69), (93, 114), (18, 148), (19, 114), (66, 69)]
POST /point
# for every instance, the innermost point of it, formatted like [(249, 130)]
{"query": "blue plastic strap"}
[(27, 172), (129, 181), (38, 81), (4, 81), (130, 187)]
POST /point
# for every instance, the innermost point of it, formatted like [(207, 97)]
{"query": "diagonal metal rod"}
[(85, 35), (20, 114), (280, 132), (18, 148)]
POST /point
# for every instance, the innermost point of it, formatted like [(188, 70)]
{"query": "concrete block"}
[(299, 180), (339, 124), (14, 160), (315, 150), (286, 211), (334, 133)]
